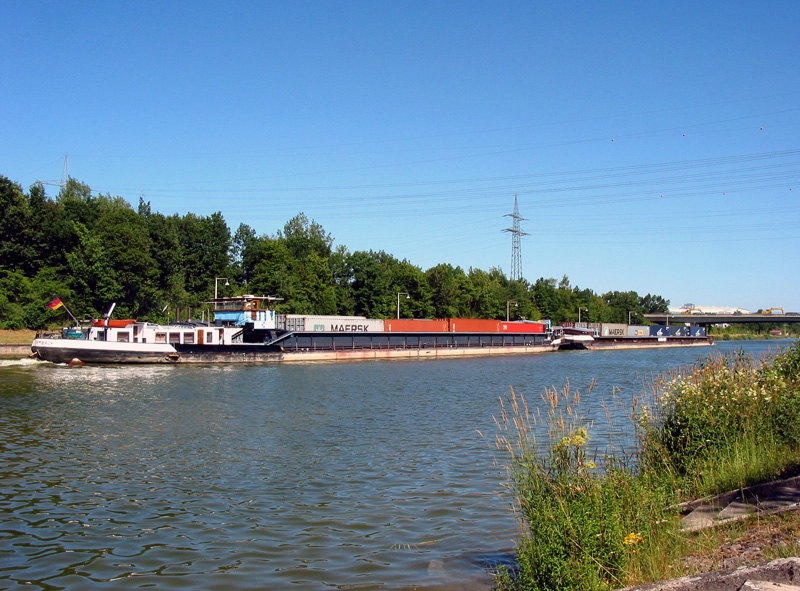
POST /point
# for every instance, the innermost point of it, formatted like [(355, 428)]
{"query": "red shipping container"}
[(523, 327), (408, 325), (474, 325)]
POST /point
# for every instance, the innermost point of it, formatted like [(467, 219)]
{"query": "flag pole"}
[(57, 303), (75, 320)]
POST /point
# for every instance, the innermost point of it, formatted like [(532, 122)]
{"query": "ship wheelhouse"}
[(255, 311)]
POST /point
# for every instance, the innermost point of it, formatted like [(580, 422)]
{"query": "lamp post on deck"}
[(399, 293), (216, 282), (508, 308), (579, 313)]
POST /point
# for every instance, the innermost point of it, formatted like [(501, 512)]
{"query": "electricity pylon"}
[(516, 248)]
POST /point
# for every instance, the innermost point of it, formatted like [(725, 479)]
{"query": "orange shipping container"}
[(408, 325), (523, 327), (474, 325)]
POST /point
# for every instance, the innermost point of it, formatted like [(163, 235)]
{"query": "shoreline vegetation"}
[(606, 518)]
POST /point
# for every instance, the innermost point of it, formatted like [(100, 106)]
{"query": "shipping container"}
[(306, 323), (522, 327), (638, 331), (671, 331), (614, 330), (474, 325), (697, 331), (408, 325)]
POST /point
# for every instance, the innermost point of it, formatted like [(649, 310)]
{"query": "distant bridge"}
[(706, 319)]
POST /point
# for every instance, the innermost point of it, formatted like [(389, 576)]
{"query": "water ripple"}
[(354, 476)]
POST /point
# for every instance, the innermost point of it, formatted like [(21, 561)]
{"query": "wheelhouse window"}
[(123, 337)]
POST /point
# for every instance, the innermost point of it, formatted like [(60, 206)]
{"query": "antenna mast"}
[(516, 247)]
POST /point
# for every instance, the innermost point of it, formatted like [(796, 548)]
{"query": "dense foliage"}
[(92, 250)]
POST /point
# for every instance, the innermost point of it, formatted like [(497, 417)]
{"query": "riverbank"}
[(17, 337), (749, 336), (14, 351), (16, 344), (600, 520)]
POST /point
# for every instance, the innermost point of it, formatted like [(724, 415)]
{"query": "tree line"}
[(92, 250)]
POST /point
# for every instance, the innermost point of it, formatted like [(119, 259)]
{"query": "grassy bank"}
[(600, 520), (16, 337)]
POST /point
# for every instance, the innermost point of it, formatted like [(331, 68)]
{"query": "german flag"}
[(55, 304)]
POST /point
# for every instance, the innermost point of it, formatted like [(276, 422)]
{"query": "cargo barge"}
[(627, 336), (246, 329)]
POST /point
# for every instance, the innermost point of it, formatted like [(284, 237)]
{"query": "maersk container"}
[(307, 323), (368, 325), (409, 325), (638, 331), (614, 330)]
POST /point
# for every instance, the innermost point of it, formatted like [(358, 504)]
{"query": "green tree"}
[(410, 279), (273, 273), (487, 296), (314, 292), (52, 235), (546, 299), (654, 304), (373, 283), (94, 279), (126, 242), (15, 246), (244, 254), (303, 237), (343, 281), (204, 246), (620, 304), (449, 286)]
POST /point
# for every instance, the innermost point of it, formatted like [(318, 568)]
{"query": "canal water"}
[(366, 475)]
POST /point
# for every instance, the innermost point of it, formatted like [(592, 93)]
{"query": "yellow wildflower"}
[(633, 538)]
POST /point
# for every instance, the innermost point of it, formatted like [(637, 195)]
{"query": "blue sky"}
[(653, 147)]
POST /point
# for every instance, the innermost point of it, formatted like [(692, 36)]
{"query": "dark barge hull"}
[(343, 341), (237, 353), (609, 343)]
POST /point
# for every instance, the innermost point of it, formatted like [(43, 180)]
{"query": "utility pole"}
[(516, 248)]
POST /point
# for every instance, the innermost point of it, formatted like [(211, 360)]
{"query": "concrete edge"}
[(15, 350), (782, 571)]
